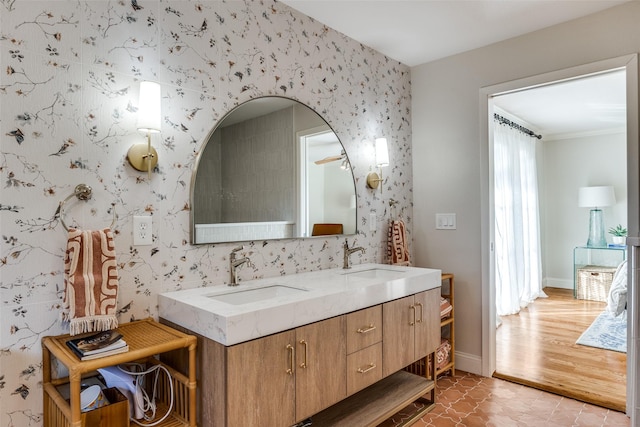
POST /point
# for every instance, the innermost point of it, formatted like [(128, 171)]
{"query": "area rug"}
[(607, 332)]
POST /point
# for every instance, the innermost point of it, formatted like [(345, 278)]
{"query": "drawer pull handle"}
[(291, 358), (367, 369), (366, 329), (303, 365)]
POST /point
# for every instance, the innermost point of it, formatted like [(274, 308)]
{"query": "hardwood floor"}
[(537, 348)]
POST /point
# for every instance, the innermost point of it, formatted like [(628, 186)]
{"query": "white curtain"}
[(517, 226)]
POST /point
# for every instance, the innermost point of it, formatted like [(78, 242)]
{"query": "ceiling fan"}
[(330, 159), (343, 156)]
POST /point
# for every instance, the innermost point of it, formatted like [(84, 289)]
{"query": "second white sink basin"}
[(247, 296), (376, 273)]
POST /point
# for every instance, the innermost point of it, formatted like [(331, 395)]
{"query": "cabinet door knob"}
[(303, 365), (291, 358), (421, 313), (413, 308)]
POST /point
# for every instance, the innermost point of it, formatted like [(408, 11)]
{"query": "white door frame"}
[(630, 64), (302, 137)]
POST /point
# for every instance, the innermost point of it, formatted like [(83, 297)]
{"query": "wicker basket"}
[(594, 282)]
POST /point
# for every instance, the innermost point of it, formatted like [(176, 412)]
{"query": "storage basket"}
[(594, 282)]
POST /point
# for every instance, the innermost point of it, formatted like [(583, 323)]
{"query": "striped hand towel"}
[(91, 281), (397, 246)]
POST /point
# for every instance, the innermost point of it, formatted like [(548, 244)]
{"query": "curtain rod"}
[(505, 121)]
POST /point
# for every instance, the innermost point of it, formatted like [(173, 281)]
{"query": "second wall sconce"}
[(382, 160), (144, 157)]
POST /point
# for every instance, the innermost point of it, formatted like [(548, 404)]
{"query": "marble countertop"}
[(318, 295)]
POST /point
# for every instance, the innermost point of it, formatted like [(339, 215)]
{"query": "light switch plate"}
[(372, 221), (445, 221), (142, 230)]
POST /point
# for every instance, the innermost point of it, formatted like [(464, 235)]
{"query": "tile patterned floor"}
[(470, 400)]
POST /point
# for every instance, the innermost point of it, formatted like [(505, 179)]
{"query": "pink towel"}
[(91, 281), (397, 247)]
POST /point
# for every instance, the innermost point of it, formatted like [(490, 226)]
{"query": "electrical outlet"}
[(142, 230), (372, 221)]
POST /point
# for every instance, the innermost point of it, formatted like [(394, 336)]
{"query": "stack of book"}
[(98, 345)]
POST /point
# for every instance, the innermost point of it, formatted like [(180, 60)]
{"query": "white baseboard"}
[(469, 363), (550, 282)]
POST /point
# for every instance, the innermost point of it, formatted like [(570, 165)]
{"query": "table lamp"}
[(595, 198)]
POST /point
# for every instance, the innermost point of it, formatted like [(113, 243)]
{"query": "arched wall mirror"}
[(272, 168)]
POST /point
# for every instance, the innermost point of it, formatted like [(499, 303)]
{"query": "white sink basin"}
[(376, 273), (247, 296)]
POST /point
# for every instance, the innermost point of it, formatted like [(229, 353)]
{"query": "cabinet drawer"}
[(364, 328), (364, 368)]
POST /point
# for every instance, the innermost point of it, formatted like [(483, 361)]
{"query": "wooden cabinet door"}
[(321, 366), (427, 331), (398, 344), (260, 387)]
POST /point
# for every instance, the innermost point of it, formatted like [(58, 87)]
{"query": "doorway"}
[(629, 65), (324, 169)]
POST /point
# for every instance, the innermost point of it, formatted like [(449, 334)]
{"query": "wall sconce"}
[(144, 157), (382, 160), (596, 197), (345, 165)]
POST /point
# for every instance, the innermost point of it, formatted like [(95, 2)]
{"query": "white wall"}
[(450, 163), (568, 164)]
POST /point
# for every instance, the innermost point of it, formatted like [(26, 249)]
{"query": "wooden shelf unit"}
[(376, 403), (447, 292), (146, 338)]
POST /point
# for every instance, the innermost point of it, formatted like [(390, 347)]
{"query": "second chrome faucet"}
[(234, 263), (348, 251)]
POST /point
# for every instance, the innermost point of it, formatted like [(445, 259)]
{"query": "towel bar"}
[(82, 192)]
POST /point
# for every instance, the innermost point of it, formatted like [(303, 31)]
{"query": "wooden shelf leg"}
[(74, 386)]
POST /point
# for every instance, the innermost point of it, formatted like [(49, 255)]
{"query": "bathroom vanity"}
[(330, 345)]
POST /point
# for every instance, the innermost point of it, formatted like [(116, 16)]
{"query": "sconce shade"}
[(382, 153), (382, 160), (149, 115), (594, 197), (144, 157)]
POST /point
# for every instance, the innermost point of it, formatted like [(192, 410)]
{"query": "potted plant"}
[(619, 233)]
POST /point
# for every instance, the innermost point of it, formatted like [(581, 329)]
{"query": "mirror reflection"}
[(272, 169)]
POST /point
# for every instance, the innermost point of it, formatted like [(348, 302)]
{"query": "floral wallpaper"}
[(68, 101)]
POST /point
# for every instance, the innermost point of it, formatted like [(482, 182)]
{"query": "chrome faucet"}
[(348, 251), (234, 263)]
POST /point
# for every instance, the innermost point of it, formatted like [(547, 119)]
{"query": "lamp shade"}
[(382, 153), (149, 107), (593, 197)]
